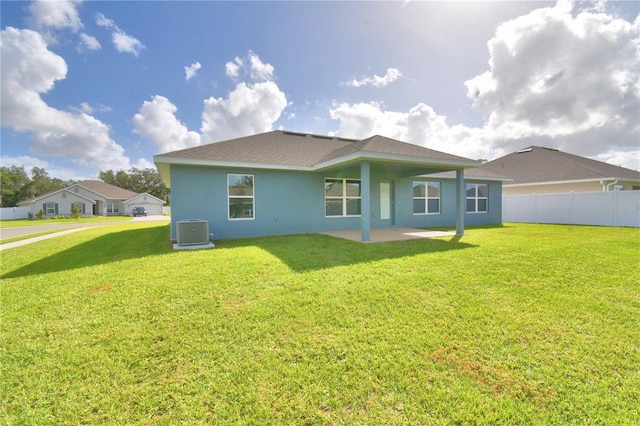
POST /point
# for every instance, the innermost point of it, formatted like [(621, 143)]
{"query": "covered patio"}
[(383, 235)]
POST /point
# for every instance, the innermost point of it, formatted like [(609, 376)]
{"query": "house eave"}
[(467, 177), (394, 158), (162, 163)]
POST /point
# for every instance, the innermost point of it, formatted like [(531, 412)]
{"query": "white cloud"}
[(258, 69), (252, 107), (89, 42), (191, 70), (56, 15), (126, 44), (156, 121), (53, 171), (30, 69), (559, 78), (233, 68), (251, 67), (103, 21), (570, 80), (392, 75), (420, 125), (121, 40)]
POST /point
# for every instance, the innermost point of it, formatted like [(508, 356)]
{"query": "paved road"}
[(25, 230)]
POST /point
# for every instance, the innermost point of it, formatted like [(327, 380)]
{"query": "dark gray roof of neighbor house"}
[(282, 148), (538, 164), (107, 190)]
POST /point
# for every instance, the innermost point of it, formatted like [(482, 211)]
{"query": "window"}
[(50, 208), (342, 197), (426, 197), (240, 196), (477, 197), (113, 207)]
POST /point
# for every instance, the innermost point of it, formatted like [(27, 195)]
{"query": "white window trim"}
[(117, 205), (53, 207), (252, 197), (344, 197), (477, 198), (426, 198)]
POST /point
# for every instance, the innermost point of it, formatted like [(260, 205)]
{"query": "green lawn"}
[(16, 223), (521, 324)]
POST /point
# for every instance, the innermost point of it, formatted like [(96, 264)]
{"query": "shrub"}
[(76, 212), (40, 215)]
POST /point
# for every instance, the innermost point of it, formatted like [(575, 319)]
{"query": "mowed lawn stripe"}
[(520, 324)]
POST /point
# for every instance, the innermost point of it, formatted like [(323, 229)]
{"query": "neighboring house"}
[(283, 182), (94, 198), (538, 170)]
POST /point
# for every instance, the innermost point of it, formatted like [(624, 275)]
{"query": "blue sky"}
[(90, 86)]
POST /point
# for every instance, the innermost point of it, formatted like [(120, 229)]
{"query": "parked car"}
[(139, 211)]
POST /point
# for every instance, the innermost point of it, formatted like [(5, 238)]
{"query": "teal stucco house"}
[(283, 182)]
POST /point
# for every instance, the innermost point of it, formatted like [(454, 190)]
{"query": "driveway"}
[(25, 230)]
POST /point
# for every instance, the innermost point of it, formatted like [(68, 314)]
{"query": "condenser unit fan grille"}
[(192, 232)]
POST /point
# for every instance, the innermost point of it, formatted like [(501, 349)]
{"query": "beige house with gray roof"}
[(94, 198), (539, 170)]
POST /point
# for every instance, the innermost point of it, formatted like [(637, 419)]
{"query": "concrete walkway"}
[(40, 238), (382, 235)]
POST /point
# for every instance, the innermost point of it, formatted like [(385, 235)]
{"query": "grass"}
[(16, 223), (28, 236), (521, 324)]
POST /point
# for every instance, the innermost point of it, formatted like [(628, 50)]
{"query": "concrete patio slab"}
[(382, 235)]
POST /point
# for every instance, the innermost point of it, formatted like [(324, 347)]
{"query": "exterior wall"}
[(293, 202), (150, 203), (593, 186), (101, 209), (447, 215), (64, 200)]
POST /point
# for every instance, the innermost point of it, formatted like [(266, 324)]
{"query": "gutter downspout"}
[(605, 186)]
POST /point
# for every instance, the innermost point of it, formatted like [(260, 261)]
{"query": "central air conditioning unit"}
[(192, 232)]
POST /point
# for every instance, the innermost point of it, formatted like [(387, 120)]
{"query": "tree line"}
[(16, 185)]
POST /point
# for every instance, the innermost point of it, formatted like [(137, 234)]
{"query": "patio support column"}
[(365, 201), (461, 202)]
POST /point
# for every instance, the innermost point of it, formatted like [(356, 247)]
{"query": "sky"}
[(96, 85)]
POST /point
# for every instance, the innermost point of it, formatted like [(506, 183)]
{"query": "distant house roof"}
[(537, 164), (301, 151), (106, 190)]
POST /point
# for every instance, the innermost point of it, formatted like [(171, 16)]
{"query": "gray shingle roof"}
[(302, 150), (539, 164), (108, 191)]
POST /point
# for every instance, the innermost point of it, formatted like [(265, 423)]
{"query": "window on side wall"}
[(477, 198), (426, 197), (342, 197), (240, 196)]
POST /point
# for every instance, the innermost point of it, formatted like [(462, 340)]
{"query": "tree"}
[(16, 186), (41, 183), (14, 183), (137, 180)]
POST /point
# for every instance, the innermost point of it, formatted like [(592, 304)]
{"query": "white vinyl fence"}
[(8, 213), (613, 208)]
